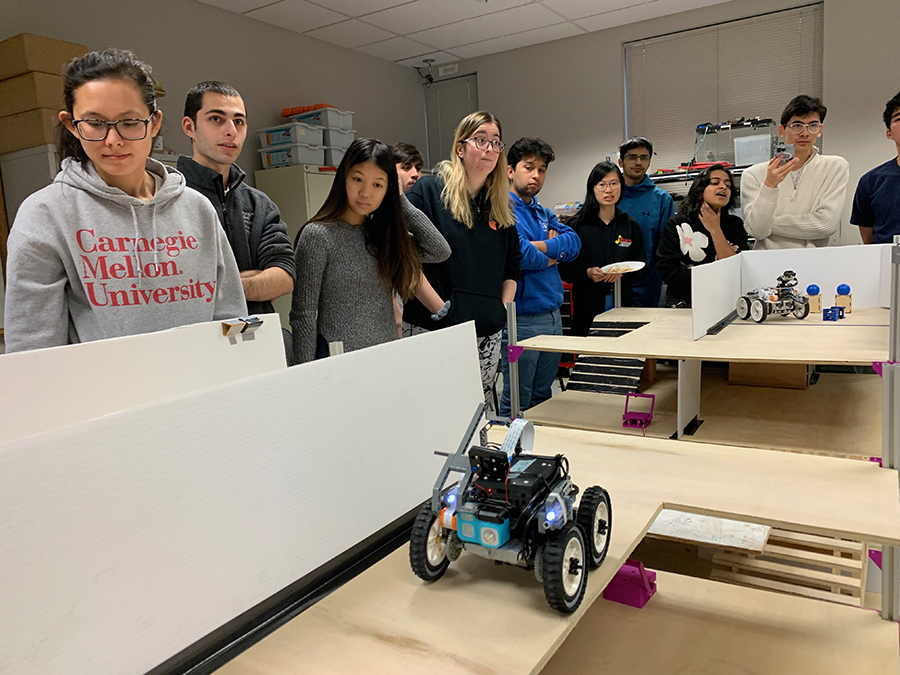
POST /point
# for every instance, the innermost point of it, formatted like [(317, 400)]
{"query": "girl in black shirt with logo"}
[(608, 235)]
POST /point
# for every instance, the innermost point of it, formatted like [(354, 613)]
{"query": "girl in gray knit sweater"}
[(366, 243)]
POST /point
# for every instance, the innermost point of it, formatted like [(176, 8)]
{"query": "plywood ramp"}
[(486, 619)]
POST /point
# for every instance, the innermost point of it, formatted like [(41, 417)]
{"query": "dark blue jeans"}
[(537, 370)]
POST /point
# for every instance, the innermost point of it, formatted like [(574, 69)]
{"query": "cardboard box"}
[(28, 129), (781, 375), (30, 91), (25, 52)]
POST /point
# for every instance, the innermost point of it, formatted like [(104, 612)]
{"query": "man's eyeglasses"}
[(611, 185), (483, 143), (643, 159), (98, 130), (812, 127)]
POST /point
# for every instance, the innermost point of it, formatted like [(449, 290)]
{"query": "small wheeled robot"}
[(515, 508), (784, 299)]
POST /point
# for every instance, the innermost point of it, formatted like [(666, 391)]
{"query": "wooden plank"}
[(786, 571), (387, 621), (839, 416), (811, 558), (812, 540), (782, 587), (860, 339), (705, 627), (718, 532)]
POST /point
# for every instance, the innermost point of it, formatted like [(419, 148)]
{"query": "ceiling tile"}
[(665, 7), (296, 15), (395, 49), (525, 39), (358, 7), (489, 26), (350, 34), (423, 14), (439, 58), (619, 17), (578, 9), (238, 6)]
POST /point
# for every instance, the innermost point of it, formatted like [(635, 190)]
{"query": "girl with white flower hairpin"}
[(703, 230)]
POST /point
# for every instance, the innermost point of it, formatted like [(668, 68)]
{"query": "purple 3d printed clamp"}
[(513, 352), (633, 585), (638, 420)]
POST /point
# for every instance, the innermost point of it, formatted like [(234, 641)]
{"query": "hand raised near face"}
[(777, 172)]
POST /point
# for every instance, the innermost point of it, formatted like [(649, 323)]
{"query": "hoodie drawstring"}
[(134, 249)]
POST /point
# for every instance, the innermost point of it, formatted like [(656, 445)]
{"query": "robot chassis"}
[(784, 299), (514, 508)]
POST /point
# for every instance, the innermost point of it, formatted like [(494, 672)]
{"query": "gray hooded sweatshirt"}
[(87, 261)]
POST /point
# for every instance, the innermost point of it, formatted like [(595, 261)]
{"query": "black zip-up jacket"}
[(251, 221), (481, 259), (602, 244)]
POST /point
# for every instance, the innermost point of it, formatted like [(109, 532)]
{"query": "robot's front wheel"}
[(758, 310), (801, 310), (743, 308), (428, 545), (595, 520), (565, 569)]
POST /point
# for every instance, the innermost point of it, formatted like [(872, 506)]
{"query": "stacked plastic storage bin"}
[(337, 128), (291, 143)]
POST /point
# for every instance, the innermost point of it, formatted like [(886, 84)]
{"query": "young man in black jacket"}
[(216, 122)]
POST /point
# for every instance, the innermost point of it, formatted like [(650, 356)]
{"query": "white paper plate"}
[(623, 267)]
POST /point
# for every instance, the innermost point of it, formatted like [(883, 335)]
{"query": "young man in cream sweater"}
[(796, 204)]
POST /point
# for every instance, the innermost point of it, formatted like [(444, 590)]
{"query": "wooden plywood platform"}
[(482, 618), (840, 415), (859, 339), (705, 628)]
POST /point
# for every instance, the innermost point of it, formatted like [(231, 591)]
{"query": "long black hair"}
[(590, 208), (690, 207), (386, 233), (110, 64)]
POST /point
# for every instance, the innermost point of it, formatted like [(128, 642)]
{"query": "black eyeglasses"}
[(483, 143), (98, 130)]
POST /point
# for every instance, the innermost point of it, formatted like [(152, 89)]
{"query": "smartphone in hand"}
[(786, 150)]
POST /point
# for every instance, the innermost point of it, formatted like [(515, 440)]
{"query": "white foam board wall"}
[(129, 537), (715, 288), (858, 266), (51, 388)]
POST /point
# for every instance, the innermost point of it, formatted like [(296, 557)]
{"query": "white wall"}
[(862, 53), (186, 42), (571, 92)]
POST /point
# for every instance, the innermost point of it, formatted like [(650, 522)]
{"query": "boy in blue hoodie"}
[(650, 206), (544, 241)]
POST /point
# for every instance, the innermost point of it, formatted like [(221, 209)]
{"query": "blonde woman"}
[(468, 201)]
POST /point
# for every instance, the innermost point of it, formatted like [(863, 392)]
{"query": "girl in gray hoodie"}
[(115, 245)]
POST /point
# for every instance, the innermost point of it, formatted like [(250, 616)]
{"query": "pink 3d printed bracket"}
[(637, 420), (633, 585)]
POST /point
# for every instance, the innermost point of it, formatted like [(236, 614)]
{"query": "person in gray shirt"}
[(366, 243)]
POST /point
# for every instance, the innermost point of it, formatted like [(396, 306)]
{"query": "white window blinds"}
[(747, 68)]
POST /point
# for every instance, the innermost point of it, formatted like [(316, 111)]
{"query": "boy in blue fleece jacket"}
[(544, 241), (650, 206)]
